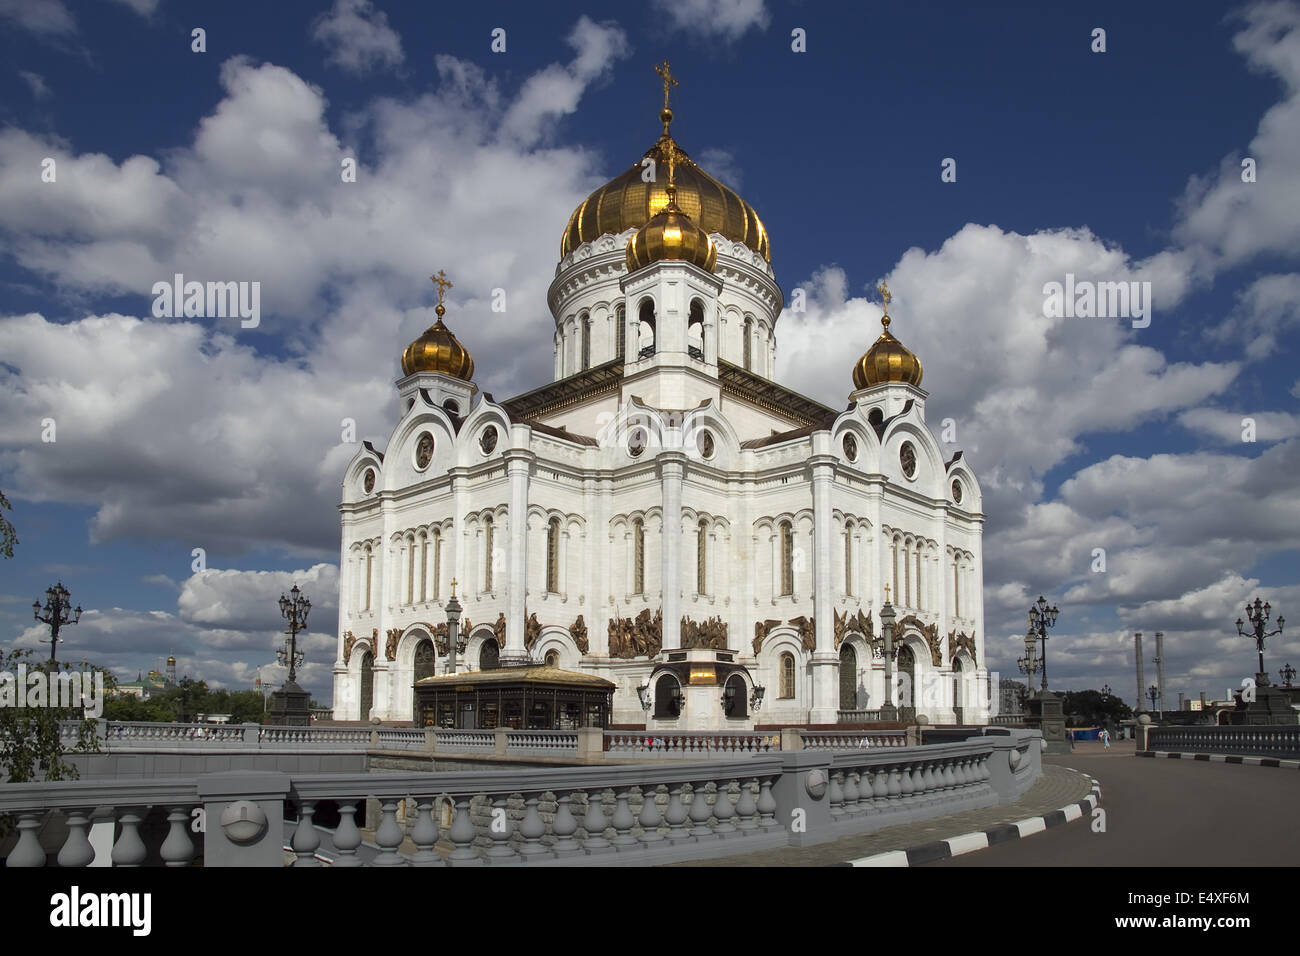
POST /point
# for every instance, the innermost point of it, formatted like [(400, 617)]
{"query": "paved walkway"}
[(1058, 787)]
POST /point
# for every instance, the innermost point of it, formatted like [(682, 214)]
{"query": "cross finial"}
[(443, 284), (886, 593), (669, 80), (453, 587), (885, 297)]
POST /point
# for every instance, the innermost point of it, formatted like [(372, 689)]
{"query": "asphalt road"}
[(1162, 812)]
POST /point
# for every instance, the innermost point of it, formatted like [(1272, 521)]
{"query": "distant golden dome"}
[(627, 202), (888, 360), (437, 350), (671, 234)]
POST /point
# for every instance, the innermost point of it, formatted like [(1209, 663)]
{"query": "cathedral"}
[(664, 514)]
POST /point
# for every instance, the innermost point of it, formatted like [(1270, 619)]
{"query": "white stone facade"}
[(799, 513)]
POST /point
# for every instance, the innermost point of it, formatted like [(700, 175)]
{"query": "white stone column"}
[(671, 468), (518, 463), (825, 703)]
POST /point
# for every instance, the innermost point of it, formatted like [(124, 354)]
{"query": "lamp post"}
[(1105, 690), (1154, 693), (887, 616), (1042, 616), (1287, 674), (454, 643), (1258, 615), (58, 612), (1028, 663), (295, 611)]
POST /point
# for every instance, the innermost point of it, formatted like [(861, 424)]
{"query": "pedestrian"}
[(1105, 738)]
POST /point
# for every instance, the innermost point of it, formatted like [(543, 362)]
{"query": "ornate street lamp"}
[(756, 696), (1258, 617), (887, 617), (1287, 674), (1042, 616), (295, 610), (58, 612), (1028, 664), (643, 695), (1154, 693), (1105, 690), (455, 643)]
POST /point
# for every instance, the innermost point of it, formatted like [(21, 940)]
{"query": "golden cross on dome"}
[(442, 282), (663, 70), (885, 297)]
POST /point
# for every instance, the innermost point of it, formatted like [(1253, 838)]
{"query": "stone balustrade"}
[(654, 743), (858, 717), (1264, 740), (624, 814), (852, 739)]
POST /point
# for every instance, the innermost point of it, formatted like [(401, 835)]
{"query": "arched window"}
[(584, 329), (957, 700), (956, 589), (648, 334), (907, 574), (553, 556), (424, 567), (785, 666), (749, 343), (437, 561), (695, 330), (848, 558), (787, 558), (906, 677), (487, 553), (410, 570), (638, 557), (919, 591), (489, 655), (893, 560), (370, 574), (367, 685), (426, 660), (620, 320), (848, 677), (737, 701), (552, 658), (666, 705), (702, 559)]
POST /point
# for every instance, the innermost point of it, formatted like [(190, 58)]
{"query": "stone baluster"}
[(851, 793), (564, 827), (880, 788), (76, 850), (906, 789), (305, 838), (895, 785), (836, 794), (531, 829), (27, 851), (499, 832), (623, 821), (724, 810), (178, 848), (766, 804), (347, 837), (675, 816), (462, 835), (129, 850), (700, 813), (747, 808), (425, 833), (920, 797), (388, 835), (594, 822), (949, 778), (650, 816)]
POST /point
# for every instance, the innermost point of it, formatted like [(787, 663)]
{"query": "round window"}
[(850, 447), (368, 482), (488, 440), (907, 458), (636, 442), (424, 451), (705, 444), (956, 492)]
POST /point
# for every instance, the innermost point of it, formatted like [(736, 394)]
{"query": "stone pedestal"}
[(291, 706), (1044, 712), (1272, 705)]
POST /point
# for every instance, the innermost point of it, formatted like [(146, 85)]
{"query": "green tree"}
[(32, 744), (1093, 708), (8, 536)]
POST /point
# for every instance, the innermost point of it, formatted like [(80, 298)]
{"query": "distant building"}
[(1010, 693), (142, 687)]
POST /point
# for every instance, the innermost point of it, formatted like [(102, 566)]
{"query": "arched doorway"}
[(426, 662), (489, 655), (666, 706), (906, 682), (737, 701), (958, 699), (848, 678), (552, 658), (367, 685)]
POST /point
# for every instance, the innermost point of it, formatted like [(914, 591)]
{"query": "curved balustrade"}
[(653, 743), (542, 741), (853, 739), (1281, 741)]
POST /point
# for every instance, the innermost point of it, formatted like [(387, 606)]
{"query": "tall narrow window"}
[(848, 558), (553, 556), (749, 343), (893, 559), (410, 570), (370, 570), (787, 558), (702, 559), (424, 567), (487, 553), (956, 590), (638, 559), (907, 576), (786, 677), (648, 333), (919, 590), (620, 320), (584, 329), (437, 561)]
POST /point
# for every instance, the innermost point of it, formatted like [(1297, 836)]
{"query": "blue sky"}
[(177, 434)]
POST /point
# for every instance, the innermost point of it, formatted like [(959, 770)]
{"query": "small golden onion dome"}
[(437, 350), (888, 360), (671, 234)]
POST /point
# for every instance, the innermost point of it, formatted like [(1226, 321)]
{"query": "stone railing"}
[(1007, 720), (628, 814), (542, 741), (858, 717), (654, 743), (852, 739), (1258, 741)]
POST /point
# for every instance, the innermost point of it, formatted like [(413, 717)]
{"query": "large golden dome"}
[(888, 360), (671, 234), (626, 202)]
